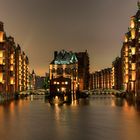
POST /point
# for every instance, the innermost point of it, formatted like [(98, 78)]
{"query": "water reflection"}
[(90, 118), (108, 100)]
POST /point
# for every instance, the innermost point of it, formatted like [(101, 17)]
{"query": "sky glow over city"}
[(44, 26)]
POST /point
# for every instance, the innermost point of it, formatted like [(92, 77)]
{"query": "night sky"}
[(43, 26)]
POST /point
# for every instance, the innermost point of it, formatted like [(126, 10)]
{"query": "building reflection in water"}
[(127, 104)]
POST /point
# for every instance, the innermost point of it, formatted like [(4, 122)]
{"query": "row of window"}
[(58, 83), (61, 70)]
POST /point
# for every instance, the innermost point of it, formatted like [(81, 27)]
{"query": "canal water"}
[(94, 118)]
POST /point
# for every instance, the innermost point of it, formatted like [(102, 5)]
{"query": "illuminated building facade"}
[(130, 55), (137, 25), (21, 70), (102, 79), (61, 85), (12, 73), (97, 80), (117, 82), (64, 67)]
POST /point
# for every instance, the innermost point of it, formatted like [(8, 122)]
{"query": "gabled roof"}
[(64, 57)]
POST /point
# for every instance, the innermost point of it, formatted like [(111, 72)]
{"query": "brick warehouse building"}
[(83, 70), (64, 72), (14, 67), (74, 66)]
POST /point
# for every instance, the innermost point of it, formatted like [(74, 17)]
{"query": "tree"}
[(46, 84)]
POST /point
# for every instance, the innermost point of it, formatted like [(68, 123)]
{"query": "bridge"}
[(33, 92), (104, 92)]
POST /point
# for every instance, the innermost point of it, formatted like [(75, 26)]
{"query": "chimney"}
[(1, 26), (55, 54)]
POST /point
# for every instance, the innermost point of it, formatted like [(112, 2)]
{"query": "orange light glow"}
[(133, 34), (126, 48), (12, 81), (126, 79), (11, 68), (133, 66), (1, 37), (133, 50), (133, 75), (126, 66), (126, 59), (1, 54), (12, 61), (12, 56), (1, 77), (132, 23), (125, 39)]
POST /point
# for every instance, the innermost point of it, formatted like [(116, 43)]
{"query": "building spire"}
[(138, 3)]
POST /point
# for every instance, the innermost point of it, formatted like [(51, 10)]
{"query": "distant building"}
[(91, 81), (83, 70), (39, 82), (117, 81), (21, 70), (102, 79), (64, 67), (32, 80)]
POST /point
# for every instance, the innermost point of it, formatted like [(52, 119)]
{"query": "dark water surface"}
[(95, 118)]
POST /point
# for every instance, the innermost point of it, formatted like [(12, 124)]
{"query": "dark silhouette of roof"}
[(64, 57)]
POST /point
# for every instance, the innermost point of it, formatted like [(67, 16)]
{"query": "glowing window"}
[(126, 53), (132, 23), (133, 75), (126, 48), (133, 66), (12, 56), (63, 89), (133, 50), (1, 53), (125, 39), (133, 34), (126, 59), (12, 61), (1, 77), (126, 72), (11, 68), (132, 86), (1, 60), (126, 79), (66, 83), (1, 36), (12, 81), (126, 65), (139, 40)]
